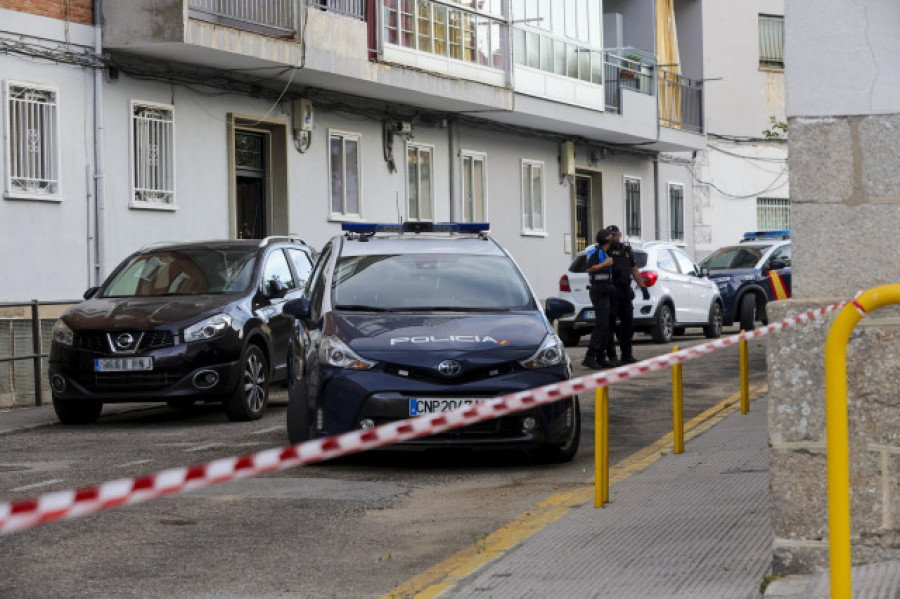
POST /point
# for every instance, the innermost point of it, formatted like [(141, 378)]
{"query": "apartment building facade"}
[(200, 119), (741, 177)]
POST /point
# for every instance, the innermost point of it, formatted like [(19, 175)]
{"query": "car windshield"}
[(579, 264), (191, 271), (737, 256), (430, 282)]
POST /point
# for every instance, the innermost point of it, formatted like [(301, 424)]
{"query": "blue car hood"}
[(419, 339)]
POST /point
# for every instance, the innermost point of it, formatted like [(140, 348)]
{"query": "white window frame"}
[(778, 208), (419, 147), (531, 231), (771, 42), (629, 234), (166, 205), (670, 185), (54, 154), (344, 216), (475, 157)]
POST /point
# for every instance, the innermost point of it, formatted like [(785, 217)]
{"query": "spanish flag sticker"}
[(779, 289)]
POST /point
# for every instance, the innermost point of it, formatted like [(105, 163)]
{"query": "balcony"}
[(269, 17), (680, 102)]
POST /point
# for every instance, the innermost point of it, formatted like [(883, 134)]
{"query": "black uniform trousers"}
[(621, 308), (601, 336)]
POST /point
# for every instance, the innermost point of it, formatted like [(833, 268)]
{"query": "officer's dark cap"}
[(612, 230), (602, 236)]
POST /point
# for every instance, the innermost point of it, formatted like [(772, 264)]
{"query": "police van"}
[(401, 320)]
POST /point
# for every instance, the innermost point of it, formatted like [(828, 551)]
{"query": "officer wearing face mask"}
[(621, 307)]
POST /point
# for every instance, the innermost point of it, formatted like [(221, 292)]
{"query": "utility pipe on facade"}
[(99, 253), (452, 128)]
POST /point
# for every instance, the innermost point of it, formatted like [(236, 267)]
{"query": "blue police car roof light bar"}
[(757, 235), (415, 227)]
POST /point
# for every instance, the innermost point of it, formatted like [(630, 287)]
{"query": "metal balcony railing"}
[(680, 102), (620, 72), (355, 9), (269, 17)]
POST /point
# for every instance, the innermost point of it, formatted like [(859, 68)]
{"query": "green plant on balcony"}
[(631, 62)]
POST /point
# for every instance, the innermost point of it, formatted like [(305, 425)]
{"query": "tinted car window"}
[(277, 273), (783, 253), (183, 272), (302, 265), (429, 282), (684, 263), (738, 256), (640, 258), (665, 261), (316, 285)]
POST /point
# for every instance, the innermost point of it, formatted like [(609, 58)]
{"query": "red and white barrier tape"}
[(20, 515)]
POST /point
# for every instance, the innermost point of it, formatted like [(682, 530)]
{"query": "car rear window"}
[(192, 271), (430, 282), (579, 264)]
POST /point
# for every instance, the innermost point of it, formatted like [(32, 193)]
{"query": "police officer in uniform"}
[(599, 269), (624, 271)]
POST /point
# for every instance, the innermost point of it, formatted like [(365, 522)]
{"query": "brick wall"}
[(78, 11)]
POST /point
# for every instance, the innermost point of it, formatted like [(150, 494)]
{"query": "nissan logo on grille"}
[(124, 341), (449, 368)]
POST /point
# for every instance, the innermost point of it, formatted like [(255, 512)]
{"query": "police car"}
[(404, 320), (750, 274)]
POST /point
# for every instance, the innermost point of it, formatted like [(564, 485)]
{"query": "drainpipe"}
[(451, 145), (656, 193), (99, 250)]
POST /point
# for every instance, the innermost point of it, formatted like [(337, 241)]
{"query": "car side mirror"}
[(557, 308), (777, 264), (704, 271), (298, 308), (90, 292)]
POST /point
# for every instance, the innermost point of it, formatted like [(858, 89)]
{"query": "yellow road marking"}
[(445, 574)]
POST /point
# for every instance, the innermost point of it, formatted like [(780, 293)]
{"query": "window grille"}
[(771, 41), (33, 141), (344, 165), (533, 197), (153, 154), (633, 207), (676, 212), (773, 214)]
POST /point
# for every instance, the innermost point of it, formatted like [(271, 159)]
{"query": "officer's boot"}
[(590, 360)]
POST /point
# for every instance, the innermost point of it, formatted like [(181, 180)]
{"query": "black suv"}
[(181, 323)]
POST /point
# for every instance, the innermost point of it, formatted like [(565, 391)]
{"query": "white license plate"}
[(436, 405), (589, 315), (123, 364)]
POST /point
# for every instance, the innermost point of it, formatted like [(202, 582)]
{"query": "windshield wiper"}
[(360, 308), (453, 309)]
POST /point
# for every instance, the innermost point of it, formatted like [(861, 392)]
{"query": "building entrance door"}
[(583, 231), (251, 184)]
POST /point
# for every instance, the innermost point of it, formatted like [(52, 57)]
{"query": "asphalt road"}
[(357, 527)]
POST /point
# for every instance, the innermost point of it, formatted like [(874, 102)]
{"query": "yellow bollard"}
[(745, 377), (836, 430), (677, 407), (601, 446)]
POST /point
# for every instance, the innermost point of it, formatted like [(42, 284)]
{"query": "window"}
[(632, 207), (676, 212), (685, 264), (277, 276), (33, 119), (153, 155), (665, 261), (419, 182), (532, 197), (474, 187), (345, 169), (771, 41), (783, 253), (302, 265), (773, 214)]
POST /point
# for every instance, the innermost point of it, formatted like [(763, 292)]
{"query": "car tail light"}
[(564, 284), (649, 277)]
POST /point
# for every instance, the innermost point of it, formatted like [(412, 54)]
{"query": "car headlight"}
[(335, 352), (62, 334), (208, 328), (550, 353)]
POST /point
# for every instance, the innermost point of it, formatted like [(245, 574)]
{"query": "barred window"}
[(153, 154), (632, 207), (773, 214), (533, 197), (676, 212), (419, 183), (345, 173), (771, 41), (474, 187), (33, 119)]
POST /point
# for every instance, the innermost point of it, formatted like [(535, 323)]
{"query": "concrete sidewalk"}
[(690, 525)]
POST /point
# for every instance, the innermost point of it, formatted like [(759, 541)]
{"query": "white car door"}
[(674, 284), (699, 290)]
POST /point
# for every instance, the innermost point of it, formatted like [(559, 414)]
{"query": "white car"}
[(680, 297)]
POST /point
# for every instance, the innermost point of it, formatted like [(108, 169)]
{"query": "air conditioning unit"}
[(402, 127), (302, 115)]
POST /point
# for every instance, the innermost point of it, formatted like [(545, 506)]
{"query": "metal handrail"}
[(35, 340), (355, 9), (680, 101), (265, 16)]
